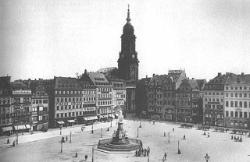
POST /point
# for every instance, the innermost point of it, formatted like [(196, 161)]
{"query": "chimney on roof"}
[(146, 76), (153, 75), (85, 71), (192, 78), (242, 74), (219, 74)]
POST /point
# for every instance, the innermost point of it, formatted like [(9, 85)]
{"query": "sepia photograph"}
[(124, 81)]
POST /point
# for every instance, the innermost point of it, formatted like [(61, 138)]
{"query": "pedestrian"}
[(76, 154), (204, 133), (164, 134), (13, 143), (232, 137), (8, 141), (86, 157), (184, 137), (66, 138), (165, 156), (173, 129)]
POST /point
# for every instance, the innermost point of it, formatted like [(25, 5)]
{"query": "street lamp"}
[(93, 153), (62, 141), (92, 131), (70, 137), (101, 132), (179, 151), (137, 132)]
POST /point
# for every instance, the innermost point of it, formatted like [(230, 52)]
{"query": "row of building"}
[(39, 104), (222, 101)]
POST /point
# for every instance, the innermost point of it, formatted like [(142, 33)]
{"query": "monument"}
[(119, 141)]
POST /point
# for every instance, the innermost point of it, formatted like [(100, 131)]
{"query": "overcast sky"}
[(47, 38)]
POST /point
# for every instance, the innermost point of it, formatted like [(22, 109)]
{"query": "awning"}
[(90, 118), (104, 116), (22, 127), (6, 129), (60, 122), (111, 116), (71, 121)]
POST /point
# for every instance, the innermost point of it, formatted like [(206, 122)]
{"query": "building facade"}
[(189, 101), (22, 104), (104, 94), (6, 106), (161, 94), (119, 94), (213, 101), (237, 101), (40, 108), (72, 102)]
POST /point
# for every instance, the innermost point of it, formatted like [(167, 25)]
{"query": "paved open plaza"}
[(47, 147)]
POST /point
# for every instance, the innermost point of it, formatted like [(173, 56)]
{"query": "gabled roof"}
[(67, 83), (97, 77), (5, 82), (17, 85)]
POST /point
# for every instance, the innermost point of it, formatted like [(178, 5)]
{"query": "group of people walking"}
[(142, 152), (236, 139)]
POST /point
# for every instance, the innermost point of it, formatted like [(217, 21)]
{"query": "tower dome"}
[(128, 27)]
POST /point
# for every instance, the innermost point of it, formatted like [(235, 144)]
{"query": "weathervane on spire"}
[(128, 16)]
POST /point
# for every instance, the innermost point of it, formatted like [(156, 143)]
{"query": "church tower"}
[(128, 61)]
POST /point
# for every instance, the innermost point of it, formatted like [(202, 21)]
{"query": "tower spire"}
[(128, 15)]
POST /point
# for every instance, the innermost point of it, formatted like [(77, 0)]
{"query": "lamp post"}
[(70, 137), (92, 153), (111, 122), (179, 151), (62, 144), (92, 131), (137, 132), (101, 132)]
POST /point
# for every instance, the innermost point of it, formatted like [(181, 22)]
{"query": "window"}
[(232, 114), (236, 103), (226, 113), (245, 104), (245, 114), (57, 107), (236, 95), (240, 114), (226, 103), (236, 114), (240, 103), (232, 104)]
